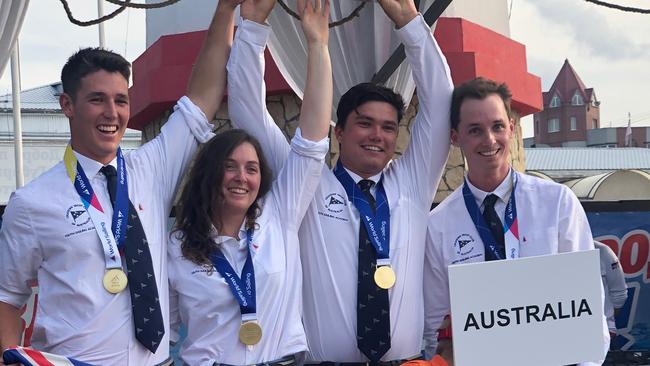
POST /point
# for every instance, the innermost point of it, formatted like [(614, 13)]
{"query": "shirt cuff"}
[(308, 148), (253, 32), (195, 119), (413, 32)]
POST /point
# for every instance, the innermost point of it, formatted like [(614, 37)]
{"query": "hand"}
[(315, 20), (399, 11), (256, 10)]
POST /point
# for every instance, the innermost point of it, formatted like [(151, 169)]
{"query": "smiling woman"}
[(234, 259), (229, 176)]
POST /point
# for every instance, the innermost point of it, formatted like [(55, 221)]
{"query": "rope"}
[(619, 7), (123, 4), (353, 14)]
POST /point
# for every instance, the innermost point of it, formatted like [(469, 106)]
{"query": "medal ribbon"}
[(242, 288), (378, 223), (112, 241), (510, 226)]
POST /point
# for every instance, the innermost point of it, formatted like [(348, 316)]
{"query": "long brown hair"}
[(202, 198)]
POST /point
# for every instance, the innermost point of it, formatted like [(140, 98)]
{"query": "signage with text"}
[(543, 310)]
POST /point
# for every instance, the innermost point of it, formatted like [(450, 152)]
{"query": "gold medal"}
[(385, 277), (250, 333), (115, 280)]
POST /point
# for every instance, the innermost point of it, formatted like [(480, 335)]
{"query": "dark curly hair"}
[(201, 199)]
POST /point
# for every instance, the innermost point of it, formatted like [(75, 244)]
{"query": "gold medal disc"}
[(385, 277), (115, 280), (250, 333)]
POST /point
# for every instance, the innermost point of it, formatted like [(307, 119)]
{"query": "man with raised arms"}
[(92, 229), (366, 213), (548, 216)]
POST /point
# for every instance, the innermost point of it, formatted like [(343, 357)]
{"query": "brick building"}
[(570, 110)]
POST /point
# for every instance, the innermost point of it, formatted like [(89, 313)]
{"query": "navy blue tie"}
[(147, 316), (373, 316), (496, 227)]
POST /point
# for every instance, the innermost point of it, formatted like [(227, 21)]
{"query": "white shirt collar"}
[(224, 239), (90, 166), (502, 190), (375, 178)]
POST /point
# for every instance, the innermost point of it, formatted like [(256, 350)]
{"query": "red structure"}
[(161, 72)]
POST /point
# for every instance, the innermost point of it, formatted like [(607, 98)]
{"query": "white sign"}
[(545, 310)]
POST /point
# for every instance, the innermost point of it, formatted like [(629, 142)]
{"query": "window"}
[(577, 99), (555, 101), (537, 127), (594, 123), (553, 125), (574, 124)]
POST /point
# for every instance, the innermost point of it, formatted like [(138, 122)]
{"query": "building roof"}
[(41, 98), (565, 84), (587, 158)]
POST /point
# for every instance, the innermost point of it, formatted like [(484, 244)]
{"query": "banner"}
[(626, 229)]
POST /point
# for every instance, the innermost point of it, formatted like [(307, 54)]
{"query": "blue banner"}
[(628, 234)]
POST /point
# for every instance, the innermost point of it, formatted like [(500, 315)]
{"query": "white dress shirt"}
[(329, 234), (613, 283), (48, 236), (204, 301), (550, 218)]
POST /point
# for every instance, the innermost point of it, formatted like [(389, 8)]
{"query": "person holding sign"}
[(366, 213), (234, 259), (92, 229), (497, 213)]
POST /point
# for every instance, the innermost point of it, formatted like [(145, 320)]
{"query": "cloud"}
[(596, 29)]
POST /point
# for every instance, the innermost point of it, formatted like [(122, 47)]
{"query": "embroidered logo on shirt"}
[(334, 202), (464, 244), (77, 215)]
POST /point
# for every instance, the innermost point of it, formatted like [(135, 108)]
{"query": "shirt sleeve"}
[(436, 287), (426, 155), (615, 278), (167, 156), (296, 183), (574, 232), (20, 252), (247, 92)]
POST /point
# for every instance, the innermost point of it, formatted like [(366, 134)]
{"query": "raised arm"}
[(317, 101), (246, 88), (423, 161), (208, 80)]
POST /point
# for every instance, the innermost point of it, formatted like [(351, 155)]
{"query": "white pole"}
[(18, 130), (100, 13)]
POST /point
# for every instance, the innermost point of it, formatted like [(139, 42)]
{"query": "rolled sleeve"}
[(253, 32), (312, 149), (195, 119), (414, 31)]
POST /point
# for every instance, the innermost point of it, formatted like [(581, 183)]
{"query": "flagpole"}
[(628, 131), (18, 130), (100, 13)]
